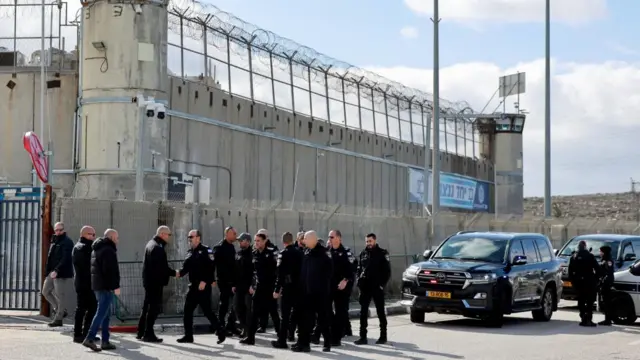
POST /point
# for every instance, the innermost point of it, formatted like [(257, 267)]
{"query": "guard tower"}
[(501, 143)]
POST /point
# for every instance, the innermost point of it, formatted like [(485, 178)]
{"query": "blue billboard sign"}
[(455, 191)]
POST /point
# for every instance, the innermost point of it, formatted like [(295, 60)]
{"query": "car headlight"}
[(411, 272), (483, 278)]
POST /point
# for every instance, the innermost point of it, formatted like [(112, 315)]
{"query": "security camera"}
[(137, 8), (151, 110), (160, 110)]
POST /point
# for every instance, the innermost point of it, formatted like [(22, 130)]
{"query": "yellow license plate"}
[(567, 283), (439, 294)]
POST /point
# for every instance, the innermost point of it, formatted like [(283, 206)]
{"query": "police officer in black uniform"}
[(264, 320), (262, 289), (583, 272), (342, 284), (244, 279), (606, 284), (374, 271), (289, 264), (225, 258), (315, 293), (199, 265)]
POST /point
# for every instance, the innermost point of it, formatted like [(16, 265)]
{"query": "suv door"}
[(533, 271), (626, 248), (520, 288)]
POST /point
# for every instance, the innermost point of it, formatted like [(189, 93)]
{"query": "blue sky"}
[(357, 30)]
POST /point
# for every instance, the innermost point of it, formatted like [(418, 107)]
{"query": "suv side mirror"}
[(555, 252), (519, 260), (427, 254), (629, 257)]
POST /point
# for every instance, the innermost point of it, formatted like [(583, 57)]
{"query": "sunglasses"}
[(191, 237)]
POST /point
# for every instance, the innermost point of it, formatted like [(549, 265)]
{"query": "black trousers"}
[(377, 295), (288, 307), (85, 311), (226, 299), (607, 309), (151, 308), (263, 304), (316, 307), (587, 295), (242, 305), (195, 298), (340, 319)]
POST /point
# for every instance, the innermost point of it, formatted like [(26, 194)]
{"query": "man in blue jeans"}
[(105, 281)]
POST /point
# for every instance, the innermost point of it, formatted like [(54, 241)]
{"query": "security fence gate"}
[(20, 235)]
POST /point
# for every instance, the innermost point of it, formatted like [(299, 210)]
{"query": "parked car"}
[(623, 250), (626, 297), (485, 275)]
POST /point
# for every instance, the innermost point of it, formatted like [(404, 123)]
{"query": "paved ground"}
[(443, 337)]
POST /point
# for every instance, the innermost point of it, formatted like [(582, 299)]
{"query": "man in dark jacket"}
[(86, 299), (105, 282), (58, 284), (264, 320), (606, 284), (244, 278), (287, 283), (583, 273), (343, 279), (315, 292), (155, 276), (224, 254)]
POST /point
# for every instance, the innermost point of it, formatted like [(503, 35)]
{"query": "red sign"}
[(33, 146)]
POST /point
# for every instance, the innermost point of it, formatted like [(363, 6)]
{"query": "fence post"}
[(47, 232)]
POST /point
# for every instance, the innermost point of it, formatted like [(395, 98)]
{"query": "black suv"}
[(485, 275)]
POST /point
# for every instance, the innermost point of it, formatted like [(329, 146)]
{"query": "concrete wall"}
[(265, 169), (20, 112), (507, 154)]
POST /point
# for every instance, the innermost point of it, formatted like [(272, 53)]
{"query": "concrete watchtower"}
[(123, 53), (501, 142)]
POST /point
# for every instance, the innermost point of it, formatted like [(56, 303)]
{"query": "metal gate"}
[(20, 248)]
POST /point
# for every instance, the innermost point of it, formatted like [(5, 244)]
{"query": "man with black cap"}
[(244, 278), (606, 284), (224, 254), (583, 272)]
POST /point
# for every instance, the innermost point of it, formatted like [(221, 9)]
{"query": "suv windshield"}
[(592, 244), (485, 249)]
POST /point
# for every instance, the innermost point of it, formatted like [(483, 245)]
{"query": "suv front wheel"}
[(546, 307)]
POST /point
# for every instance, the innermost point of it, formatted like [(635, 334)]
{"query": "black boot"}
[(383, 337)]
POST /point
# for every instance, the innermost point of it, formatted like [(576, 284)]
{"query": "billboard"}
[(455, 191)]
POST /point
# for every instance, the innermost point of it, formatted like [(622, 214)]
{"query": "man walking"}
[(155, 276), (224, 254), (244, 278), (287, 283), (583, 273), (58, 283), (86, 299), (342, 284), (105, 282)]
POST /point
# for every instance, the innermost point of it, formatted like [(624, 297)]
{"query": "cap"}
[(244, 237)]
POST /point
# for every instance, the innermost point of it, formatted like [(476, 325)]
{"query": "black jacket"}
[(199, 265), (343, 265), (374, 268), (584, 269), (264, 270), (316, 272), (606, 272), (289, 265), (224, 255), (59, 258), (155, 265), (269, 244), (105, 272), (81, 256), (244, 269)]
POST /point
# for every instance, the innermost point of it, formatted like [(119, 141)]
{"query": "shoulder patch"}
[(610, 263), (387, 257), (270, 248), (328, 254)]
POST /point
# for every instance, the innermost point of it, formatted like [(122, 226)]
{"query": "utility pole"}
[(547, 112), (435, 162)]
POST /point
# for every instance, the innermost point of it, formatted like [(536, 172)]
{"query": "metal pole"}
[(435, 163), (427, 146), (195, 210), (547, 112), (139, 167), (495, 192), (42, 88)]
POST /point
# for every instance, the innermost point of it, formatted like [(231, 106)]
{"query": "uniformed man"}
[(289, 264), (300, 240), (244, 279), (315, 292), (264, 321), (264, 281), (342, 284), (199, 265), (225, 257), (583, 273), (606, 284), (374, 271)]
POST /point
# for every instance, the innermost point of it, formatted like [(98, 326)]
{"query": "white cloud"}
[(567, 11), (594, 118), (409, 32)]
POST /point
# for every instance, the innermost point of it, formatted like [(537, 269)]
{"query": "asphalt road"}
[(442, 337)]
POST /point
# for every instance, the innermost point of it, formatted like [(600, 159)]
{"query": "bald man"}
[(58, 284), (105, 282), (156, 273), (85, 298)]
